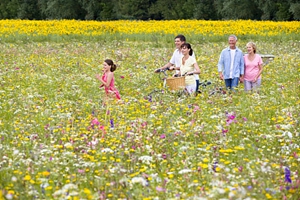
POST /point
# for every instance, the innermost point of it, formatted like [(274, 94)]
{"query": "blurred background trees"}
[(276, 10)]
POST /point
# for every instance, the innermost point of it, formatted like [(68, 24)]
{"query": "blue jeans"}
[(232, 83)]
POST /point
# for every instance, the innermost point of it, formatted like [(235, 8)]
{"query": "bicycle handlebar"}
[(162, 70)]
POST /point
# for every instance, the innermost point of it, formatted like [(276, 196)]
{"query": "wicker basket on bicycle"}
[(176, 83)]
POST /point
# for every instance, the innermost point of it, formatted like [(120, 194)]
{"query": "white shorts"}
[(191, 88)]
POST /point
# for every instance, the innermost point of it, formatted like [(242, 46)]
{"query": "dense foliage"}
[(278, 10)]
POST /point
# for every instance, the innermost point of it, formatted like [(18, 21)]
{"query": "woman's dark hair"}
[(188, 46), (111, 63)]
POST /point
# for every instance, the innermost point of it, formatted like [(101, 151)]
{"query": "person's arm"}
[(168, 65), (174, 68), (99, 78), (221, 75), (242, 68), (108, 81), (220, 67), (196, 71), (260, 67)]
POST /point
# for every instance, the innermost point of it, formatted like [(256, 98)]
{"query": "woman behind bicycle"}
[(188, 68)]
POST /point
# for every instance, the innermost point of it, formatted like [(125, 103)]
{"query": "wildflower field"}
[(58, 140)]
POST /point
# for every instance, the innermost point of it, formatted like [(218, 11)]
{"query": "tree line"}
[(275, 10)]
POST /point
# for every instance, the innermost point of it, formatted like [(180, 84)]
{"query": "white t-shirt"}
[(175, 59), (232, 53)]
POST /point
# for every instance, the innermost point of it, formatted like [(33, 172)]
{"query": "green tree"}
[(279, 10), (28, 10), (239, 9), (108, 11), (98, 9), (295, 10), (205, 9), (133, 9), (282, 11), (169, 9), (62, 9), (9, 9)]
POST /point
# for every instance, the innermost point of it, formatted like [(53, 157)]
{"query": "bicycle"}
[(268, 58), (175, 84)]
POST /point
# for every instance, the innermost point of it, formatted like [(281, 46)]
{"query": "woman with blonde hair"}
[(253, 68)]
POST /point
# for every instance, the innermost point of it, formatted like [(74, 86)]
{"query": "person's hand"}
[(157, 70), (221, 76), (254, 80), (241, 79), (172, 68), (98, 76)]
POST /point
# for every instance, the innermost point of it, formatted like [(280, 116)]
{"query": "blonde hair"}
[(252, 44)]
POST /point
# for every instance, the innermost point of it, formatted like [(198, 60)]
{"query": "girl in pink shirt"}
[(253, 68), (108, 80)]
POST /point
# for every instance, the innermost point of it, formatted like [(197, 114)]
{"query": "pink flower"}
[(95, 122), (160, 189), (230, 119), (196, 108)]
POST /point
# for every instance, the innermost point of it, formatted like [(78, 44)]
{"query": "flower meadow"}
[(61, 140)]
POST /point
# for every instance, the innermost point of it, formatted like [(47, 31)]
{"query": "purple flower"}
[(162, 136), (230, 119), (215, 165), (224, 131), (112, 123), (287, 175)]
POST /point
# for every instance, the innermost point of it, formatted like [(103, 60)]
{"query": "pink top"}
[(251, 67), (111, 88)]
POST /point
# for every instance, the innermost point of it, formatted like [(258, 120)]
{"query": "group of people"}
[(233, 67)]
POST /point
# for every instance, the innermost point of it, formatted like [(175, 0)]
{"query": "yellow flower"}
[(86, 191), (27, 178), (46, 173), (268, 196)]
